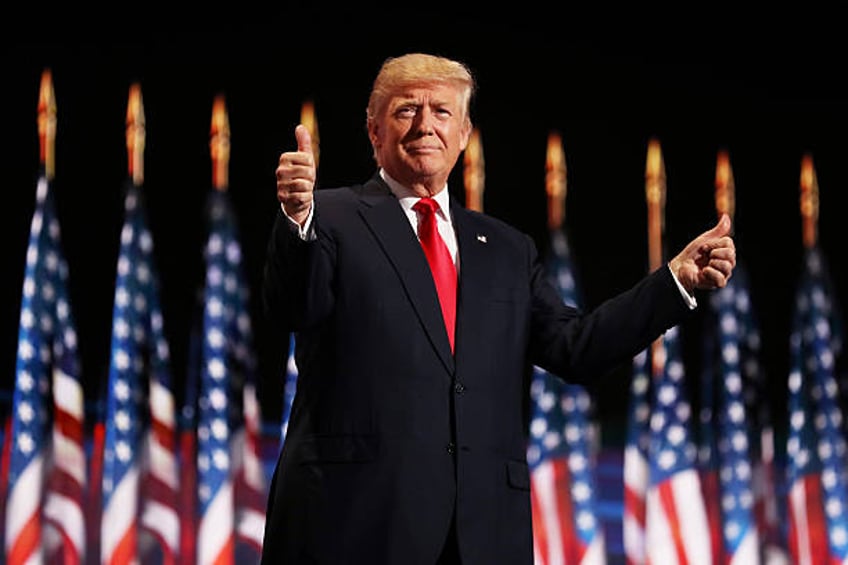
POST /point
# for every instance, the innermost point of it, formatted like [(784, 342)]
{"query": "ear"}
[(373, 132)]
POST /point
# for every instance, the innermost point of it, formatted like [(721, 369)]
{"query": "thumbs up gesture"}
[(707, 262), (296, 177)]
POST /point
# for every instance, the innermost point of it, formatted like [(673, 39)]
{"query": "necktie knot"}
[(426, 206)]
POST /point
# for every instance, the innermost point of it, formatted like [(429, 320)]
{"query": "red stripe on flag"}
[(666, 494), (28, 540), (163, 434), (710, 490), (571, 547), (227, 554), (68, 424), (816, 542), (125, 552), (634, 505), (188, 478), (94, 488), (540, 531), (65, 484)]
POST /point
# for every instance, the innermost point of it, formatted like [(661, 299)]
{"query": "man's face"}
[(420, 134)]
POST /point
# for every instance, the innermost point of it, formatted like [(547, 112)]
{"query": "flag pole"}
[(135, 135), (655, 188), (307, 118), (555, 180), (809, 201), (473, 172), (47, 124), (219, 144)]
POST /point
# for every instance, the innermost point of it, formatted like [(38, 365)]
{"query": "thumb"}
[(722, 228), (304, 140)]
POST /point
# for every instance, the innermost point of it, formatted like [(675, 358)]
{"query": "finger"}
[(722, 244), (304, 140), (723, 266), (288, 187), (712, 277), (290, 169), (726, 253)]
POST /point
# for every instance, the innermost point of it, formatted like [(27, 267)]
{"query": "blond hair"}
[(416, 68)]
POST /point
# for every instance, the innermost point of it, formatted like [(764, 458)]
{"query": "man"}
[(406, 442)]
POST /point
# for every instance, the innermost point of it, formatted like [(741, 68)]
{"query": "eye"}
[(405, 112), (443, 113)]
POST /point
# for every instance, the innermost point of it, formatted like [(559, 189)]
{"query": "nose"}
[(425, 118)]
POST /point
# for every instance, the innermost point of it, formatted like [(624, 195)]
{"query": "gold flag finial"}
[(308, 119), (135, 135), (219, 144), (809, 201), (47, 123), (474, 172), (655, 187), (555, 180), (725, 186)]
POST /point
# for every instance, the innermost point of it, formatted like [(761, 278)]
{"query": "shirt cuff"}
[(305, 232), (688, 298)]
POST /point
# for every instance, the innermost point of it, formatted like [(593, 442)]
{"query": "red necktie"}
[(441, 263)]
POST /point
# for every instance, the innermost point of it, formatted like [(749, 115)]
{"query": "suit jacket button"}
[(451, 448), (459, 388)]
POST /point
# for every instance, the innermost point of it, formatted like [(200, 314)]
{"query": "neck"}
[(414, 187)]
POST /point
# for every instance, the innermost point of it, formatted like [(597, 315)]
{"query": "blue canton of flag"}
[(561, 451), (47, 395), (139, 465), (816, 448)]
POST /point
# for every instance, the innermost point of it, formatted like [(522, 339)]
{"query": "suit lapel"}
[(386, 219), (473, 261)]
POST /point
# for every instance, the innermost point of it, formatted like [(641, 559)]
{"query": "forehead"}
[(430, 92)]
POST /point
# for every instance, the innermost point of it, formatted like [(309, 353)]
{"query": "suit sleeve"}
[(297, 277), (581, 347)]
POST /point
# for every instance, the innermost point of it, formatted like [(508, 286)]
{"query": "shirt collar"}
[(407, 198)]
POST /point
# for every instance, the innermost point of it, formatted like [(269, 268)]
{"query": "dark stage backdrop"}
[(767, 89)]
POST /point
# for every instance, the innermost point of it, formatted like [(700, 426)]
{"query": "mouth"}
[(422, 150)]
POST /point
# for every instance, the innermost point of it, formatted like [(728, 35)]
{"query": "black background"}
[(765, 85)]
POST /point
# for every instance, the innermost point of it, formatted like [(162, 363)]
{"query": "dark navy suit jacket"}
[(391, 435)]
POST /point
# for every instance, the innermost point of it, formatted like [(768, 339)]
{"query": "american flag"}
[(188, 442), (755, 384), (47, 465), (636, 460), (739, 542), (228, 463), (140, 478), (676, 529), (816, 451), (708, 458), (566, 530)]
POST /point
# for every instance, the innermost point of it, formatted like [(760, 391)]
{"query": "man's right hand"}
[(296, 177)]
